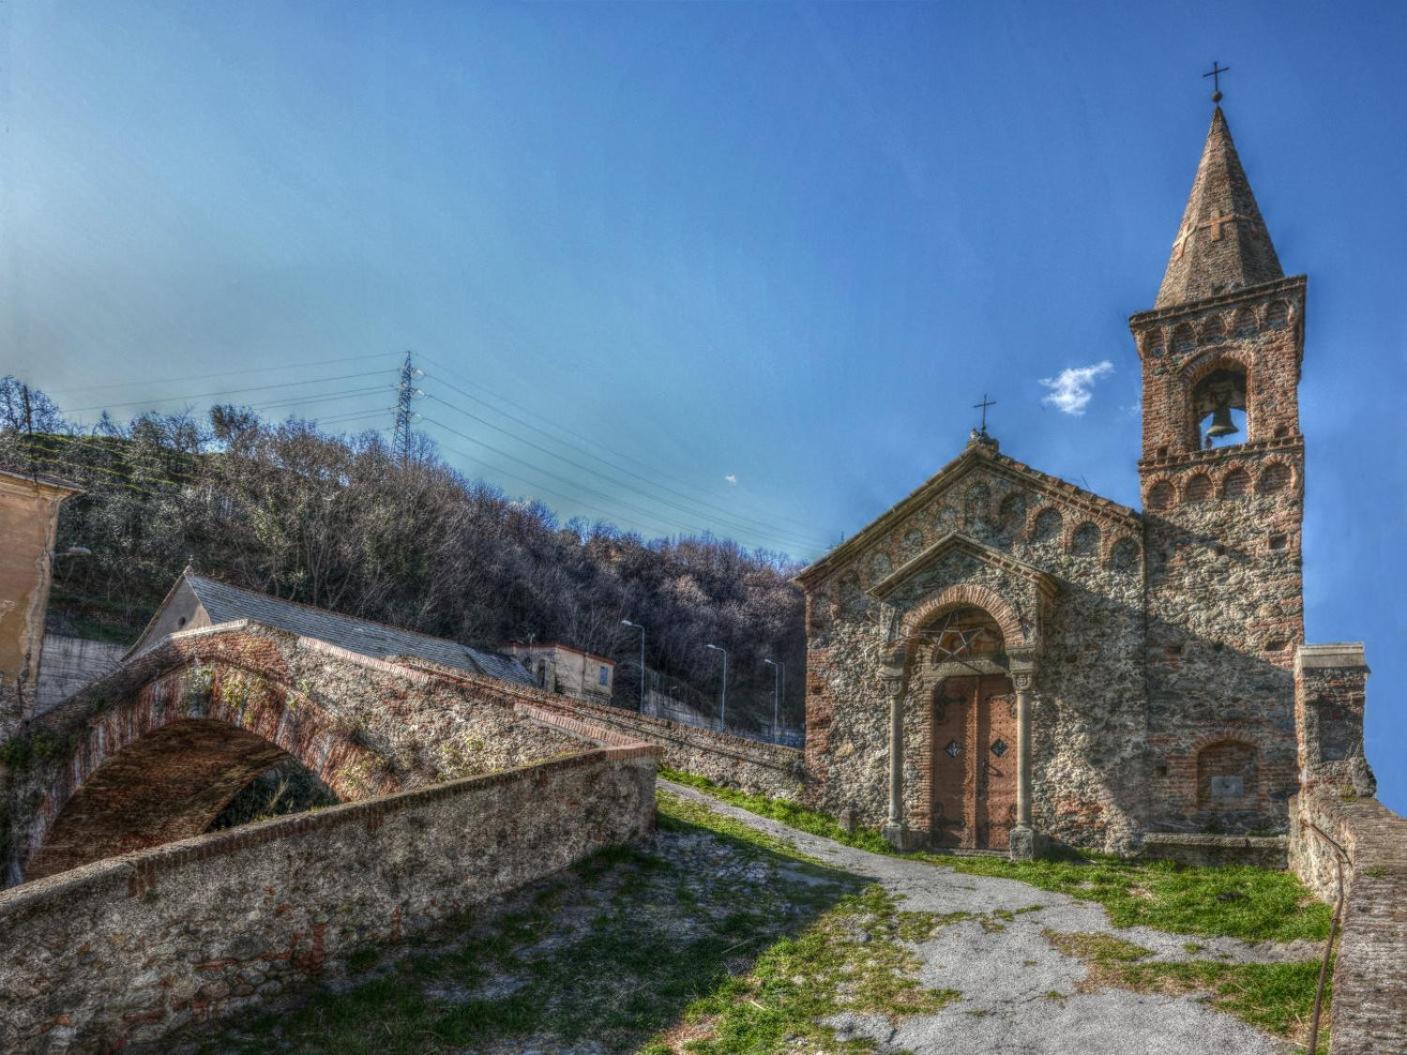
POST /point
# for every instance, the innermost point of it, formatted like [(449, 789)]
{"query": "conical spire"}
[(1222, 244)]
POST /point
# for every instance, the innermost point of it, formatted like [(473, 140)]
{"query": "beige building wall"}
[(29, 520), (561, 668)]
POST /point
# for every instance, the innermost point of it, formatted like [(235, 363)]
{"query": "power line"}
[(608, 514), (654, 470), (774, 533), (742, 521), (228, 392), (230, 373), (649, 517)]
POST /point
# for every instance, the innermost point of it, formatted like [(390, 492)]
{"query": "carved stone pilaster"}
[(894, 680), (1024, 840)]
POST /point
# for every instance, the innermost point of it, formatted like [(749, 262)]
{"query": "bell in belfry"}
[(1222, 425)]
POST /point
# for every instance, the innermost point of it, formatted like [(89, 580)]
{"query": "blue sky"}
[(786, 245)]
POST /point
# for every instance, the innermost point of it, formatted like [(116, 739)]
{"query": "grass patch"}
[(789, 813), (717, 940), (677, 814), (849, 960), (1255, 904), (1275, 997), (1100, 948)]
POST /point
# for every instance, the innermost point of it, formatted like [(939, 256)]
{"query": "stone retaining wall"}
[(121, 952), (1369, 1014), (1215, 851), (69, 664)]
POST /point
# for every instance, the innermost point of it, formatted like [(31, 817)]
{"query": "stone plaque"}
[(1228, 787)]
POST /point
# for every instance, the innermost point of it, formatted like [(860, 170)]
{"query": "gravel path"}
[(1020, 995)]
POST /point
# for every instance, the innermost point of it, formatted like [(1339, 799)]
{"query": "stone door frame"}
[(1022, 656)]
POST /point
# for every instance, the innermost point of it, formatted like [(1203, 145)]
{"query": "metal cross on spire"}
[(983, 407), (1215, 74)]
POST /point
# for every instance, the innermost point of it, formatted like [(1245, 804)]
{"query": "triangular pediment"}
[(958, 542), (981, 455)]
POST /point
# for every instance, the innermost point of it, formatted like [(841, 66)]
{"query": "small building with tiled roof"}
[(570, 671)]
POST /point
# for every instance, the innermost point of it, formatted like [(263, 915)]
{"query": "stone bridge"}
[(153, 752)]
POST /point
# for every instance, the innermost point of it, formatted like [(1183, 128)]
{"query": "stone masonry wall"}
[(121, 952), (152, 752), (1224, 584), (1088, 720), (1369, 1014), (1330, 696), (732, 761)]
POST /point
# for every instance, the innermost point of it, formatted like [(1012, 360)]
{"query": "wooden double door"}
[(974, 762)]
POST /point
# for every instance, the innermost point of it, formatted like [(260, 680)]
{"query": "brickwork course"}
[(1003, 640)]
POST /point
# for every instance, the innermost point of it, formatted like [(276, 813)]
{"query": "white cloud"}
[(1071, 392), (732, 479)]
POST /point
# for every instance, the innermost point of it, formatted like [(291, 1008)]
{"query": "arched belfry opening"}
[(1219, 412)]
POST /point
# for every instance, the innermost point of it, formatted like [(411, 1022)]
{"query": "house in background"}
[(570, 671)]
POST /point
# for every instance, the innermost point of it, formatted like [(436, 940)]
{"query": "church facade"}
[(1005, 659)]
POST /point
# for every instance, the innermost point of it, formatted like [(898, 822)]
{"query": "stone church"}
[(1005, 659)]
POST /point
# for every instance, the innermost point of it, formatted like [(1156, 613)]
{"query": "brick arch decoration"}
[(1170, 494), (963, 594), (163, 762), (1292, 480), (1035, 513), (1114, 542), (1235, 482), (1074, 527)]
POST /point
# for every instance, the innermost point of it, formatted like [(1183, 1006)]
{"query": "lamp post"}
[(723, 691), (637, 626), (779, 673)]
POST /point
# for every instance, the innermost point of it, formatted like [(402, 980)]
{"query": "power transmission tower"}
[(406, 393)]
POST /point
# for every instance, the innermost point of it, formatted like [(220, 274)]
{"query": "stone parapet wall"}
[(121, 952), (732, 761), (1369, 1015)]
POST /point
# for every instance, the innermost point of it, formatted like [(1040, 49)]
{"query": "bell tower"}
[(1222, 475)]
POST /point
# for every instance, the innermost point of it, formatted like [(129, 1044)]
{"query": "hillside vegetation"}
[(345, 522)]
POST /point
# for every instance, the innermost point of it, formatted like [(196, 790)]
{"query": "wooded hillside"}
[(346, 523)]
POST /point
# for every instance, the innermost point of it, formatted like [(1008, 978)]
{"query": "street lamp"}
[(723, 691), (637, 626), (778, 680)]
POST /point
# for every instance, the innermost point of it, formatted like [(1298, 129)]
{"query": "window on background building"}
[(603, 677)]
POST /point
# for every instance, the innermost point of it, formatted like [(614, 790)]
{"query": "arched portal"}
[(973, 735)]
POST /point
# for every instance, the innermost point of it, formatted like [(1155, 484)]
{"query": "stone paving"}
[(1020, 995)]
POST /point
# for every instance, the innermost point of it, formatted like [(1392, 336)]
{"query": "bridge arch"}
[(163, 761)]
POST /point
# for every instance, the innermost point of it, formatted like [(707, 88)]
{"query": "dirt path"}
[(1020, 995)]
